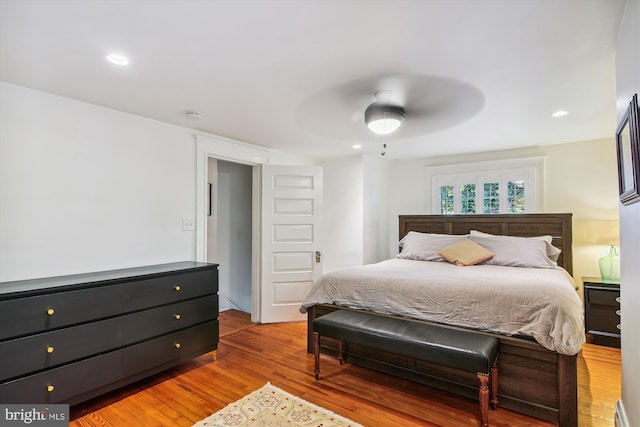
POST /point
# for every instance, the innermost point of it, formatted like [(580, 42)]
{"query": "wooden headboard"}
[(523, 225)]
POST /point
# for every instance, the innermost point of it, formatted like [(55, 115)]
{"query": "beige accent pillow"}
[(465, 252)]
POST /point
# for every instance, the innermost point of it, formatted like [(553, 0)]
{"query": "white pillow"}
[(515, 251), (425, 246), (552, 252)]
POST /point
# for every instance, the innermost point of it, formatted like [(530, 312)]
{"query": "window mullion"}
[(456, 197), (503, 193), (479, 194)]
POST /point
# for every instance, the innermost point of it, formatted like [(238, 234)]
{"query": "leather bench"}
[(453, 348)]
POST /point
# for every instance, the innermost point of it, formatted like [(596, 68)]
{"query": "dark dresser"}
[(70, 338), (602, 311)]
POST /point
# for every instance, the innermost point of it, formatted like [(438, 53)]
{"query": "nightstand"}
[(602, 311)]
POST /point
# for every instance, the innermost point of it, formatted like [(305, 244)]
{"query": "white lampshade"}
[(597, 232), (383, 119)]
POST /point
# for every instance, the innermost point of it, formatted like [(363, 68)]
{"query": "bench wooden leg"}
[(341, 352), (494, 383), (316, 353), (484, 400)]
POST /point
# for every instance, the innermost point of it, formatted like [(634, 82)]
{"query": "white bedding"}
[(536, 302)]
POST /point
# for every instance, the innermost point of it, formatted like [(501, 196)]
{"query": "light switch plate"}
[(188, 224)]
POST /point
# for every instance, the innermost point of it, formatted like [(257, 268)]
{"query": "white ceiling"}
[(474, 75)]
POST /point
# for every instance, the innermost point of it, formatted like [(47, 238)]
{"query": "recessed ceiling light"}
[(560, 113), (356, 146), (116, 58)]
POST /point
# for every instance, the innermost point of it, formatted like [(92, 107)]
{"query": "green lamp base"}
[(610, 266)]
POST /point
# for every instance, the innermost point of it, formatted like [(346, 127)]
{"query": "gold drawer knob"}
[(177, 316), (177, 287), (50, 312), (177, 345), (50, 388), (49, 349)]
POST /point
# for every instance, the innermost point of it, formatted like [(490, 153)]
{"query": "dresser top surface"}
[(85, 279), (598, 282)]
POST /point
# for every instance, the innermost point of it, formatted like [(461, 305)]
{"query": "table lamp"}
[(606, 233), (610, 266)]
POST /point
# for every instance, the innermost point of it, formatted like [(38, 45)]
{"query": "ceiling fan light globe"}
[(383, 119), (384, 126)]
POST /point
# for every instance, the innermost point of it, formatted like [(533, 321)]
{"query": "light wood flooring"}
[(250, 355)]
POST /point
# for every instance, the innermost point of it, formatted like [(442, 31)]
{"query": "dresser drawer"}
[(49, 311), (602, 297), (603, 323), (170, 349), (37, 352), (67, 381), (159, 321), (601, 311), (168, 289)]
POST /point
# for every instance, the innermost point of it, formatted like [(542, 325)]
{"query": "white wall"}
[(85, 188), (628, 83), (355, 211), (342, 239), (581, 178), (375, 209)]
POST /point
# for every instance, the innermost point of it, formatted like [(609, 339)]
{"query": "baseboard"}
[(621, 415)]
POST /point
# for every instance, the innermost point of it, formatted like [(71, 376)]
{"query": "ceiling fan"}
[(422, 104)]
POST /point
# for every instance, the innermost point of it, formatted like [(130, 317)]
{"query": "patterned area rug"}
[(271, 407)]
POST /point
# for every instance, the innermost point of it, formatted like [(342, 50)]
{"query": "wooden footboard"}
[(533, 380)]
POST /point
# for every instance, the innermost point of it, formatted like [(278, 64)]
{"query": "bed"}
[(538, 368)]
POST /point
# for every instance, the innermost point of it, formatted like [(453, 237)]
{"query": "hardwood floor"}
[(233, 321), (250, 355)]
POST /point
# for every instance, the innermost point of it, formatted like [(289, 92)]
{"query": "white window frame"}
[(530, 170)]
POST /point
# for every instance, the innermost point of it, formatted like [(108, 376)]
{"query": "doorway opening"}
[(223, 149), (229, 234), (285, 259)]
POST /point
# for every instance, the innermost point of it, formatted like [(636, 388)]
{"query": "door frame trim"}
[(233, 151)]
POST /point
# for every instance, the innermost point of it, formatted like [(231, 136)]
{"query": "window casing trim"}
[(530, 169)]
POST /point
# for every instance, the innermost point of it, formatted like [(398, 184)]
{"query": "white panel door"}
[(291, 254)]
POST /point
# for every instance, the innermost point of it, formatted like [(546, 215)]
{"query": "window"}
[(488, 189), (515, 197), (468, 198), (491, 198), (446, 199)]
